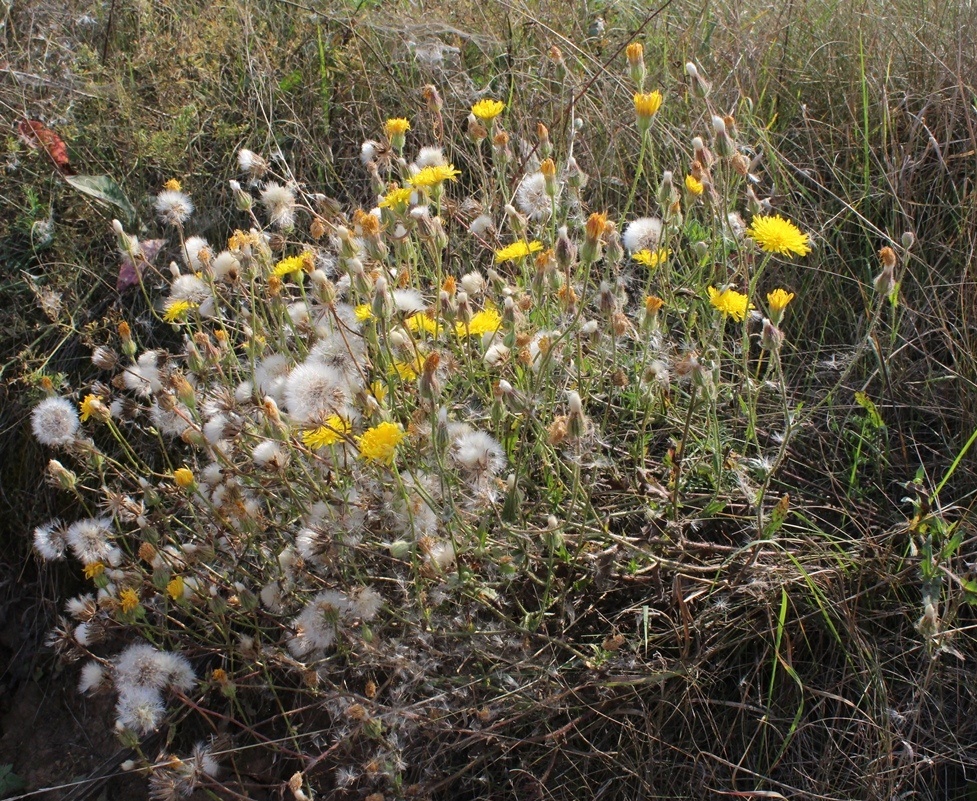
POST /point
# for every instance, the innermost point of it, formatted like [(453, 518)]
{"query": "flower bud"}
[(61, 476), (543, 135), (636, 64), (242, 200), (772, 337), (700, 86), (576, 178)]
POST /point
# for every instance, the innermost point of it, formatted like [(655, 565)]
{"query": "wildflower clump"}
[(358, 450)]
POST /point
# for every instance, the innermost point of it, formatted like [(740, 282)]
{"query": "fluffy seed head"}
[(279, 203), (643, 234), (173, 207), (532, 198), (90, 540), (55, 421)]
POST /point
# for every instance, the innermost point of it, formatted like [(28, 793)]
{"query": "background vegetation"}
[(813, 679)]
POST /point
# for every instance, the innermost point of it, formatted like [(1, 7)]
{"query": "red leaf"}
[(36, 134)]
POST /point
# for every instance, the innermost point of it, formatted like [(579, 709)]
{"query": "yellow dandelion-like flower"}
[(90, 406), (774, 234), (730, 302), (363, 312), (652, 258), (647, 104), (175, 588), (396, 198), (292, 264), (173, 185), (653, 304), (379, 391), (333, 430), (487, 321), (177, 310), (517, 250), (694, 185), (379, 444), (420, 321), (396, 126), (778, 299), (487, 110), (94, 570), (128, 599), (183, 477), (435, 175), (406, 370)]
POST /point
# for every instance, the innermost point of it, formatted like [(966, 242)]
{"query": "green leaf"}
[(874, 418), (291, 81), (104, 188), (10, 782)]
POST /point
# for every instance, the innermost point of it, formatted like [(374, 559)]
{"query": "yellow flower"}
[(517, 250), (176, 310), (363, 312), (90, 406), (175, 588), (379, 391), (183, 477), (405, 370), (334, 430), (172, 185), (128, 599), (778, 299), (396, 198), (730, 302), (694, 185), (635, 53), (420, 321), (435, 175), (646, 105), (292, 264), (484, 322), (380, 442), (94, 570), (653, 304), (777, 235), (487, 110), (239, 239), (652, 259), (396, 126)]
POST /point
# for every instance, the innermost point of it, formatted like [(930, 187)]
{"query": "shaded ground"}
[(51, 735)]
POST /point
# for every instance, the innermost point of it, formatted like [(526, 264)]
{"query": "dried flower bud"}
[(772, 337), (543, 134)]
